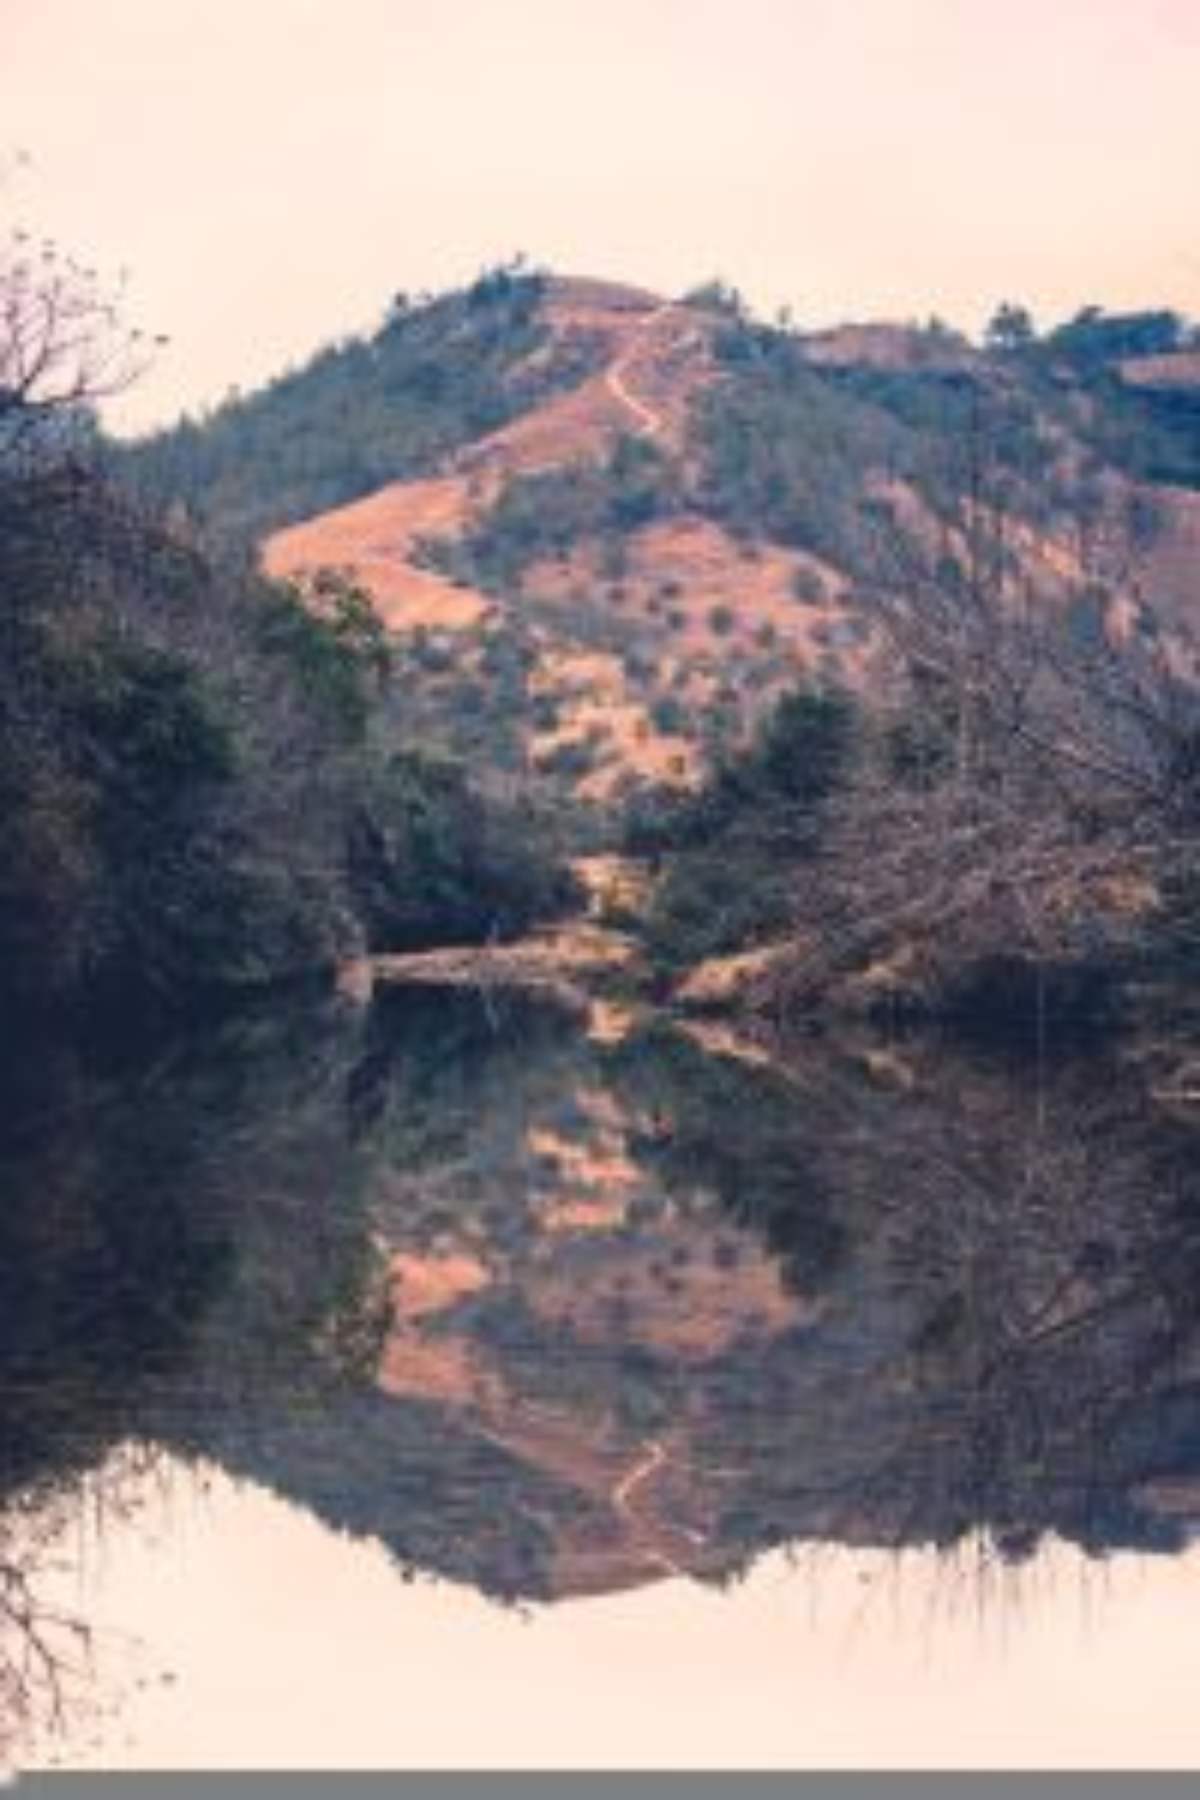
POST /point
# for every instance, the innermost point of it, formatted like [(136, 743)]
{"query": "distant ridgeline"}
[(440, 373)]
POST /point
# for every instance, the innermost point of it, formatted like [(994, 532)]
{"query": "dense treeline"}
[(191, 779), (173, 776), (1150, 432), (189, 761)]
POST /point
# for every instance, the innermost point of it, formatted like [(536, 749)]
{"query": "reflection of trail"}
[(649, 421), (635, 1477), (540, 1442), (639, 1527)]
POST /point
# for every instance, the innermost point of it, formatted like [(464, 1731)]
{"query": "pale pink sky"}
[(269, 171), (296, 1647)]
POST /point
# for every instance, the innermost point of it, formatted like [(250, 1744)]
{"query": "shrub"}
[(807, 584), (432, 863)]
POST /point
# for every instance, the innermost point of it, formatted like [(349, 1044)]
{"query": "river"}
[(429, 1385)]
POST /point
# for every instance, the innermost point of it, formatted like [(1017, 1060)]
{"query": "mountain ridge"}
[(673, 513)]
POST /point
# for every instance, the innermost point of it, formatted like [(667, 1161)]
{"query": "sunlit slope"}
[(645, 636), (607, 529)]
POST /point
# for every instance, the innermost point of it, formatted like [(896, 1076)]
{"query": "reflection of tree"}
[(1003, 1265), (439, 1099), (990, 1324), (174, 1235), (736, 1130), (1013, 1348), (185, 1264), (47, 1646), (40, 1652)]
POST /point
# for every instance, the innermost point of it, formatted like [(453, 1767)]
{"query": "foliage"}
[(360, 413), (544, 515), (1094, 337), (189, 771), (334, 641), (431, 862), (783, 451), (1151, 433), (731, 849), (1010, 327), (716, 296), (171, 789)]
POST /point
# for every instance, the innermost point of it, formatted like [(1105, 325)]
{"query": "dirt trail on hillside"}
[(377, 539), (650, 422), (647, 361)]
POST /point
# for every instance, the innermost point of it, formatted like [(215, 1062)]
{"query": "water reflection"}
[(554, 1318)]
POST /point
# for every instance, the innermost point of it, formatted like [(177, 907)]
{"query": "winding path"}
[(640, 1528), (634, 1478), (650, 423), (538, 1440)]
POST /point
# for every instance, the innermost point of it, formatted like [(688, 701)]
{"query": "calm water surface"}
[(437, 1387)]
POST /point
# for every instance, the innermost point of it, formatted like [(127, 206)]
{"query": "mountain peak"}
[(597, 292)]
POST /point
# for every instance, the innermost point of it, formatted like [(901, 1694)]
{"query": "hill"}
[(616, 539), (617, 1313), (607, 531)]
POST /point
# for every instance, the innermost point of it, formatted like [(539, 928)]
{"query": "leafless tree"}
[(63, 347), (43, 1650), (1032, 777)]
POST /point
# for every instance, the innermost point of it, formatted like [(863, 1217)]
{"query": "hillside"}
[(607, 531), (548, 545), (875, 647)]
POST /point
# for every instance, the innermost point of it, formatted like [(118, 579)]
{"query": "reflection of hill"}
[(648, 1310), (552, 1318)]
